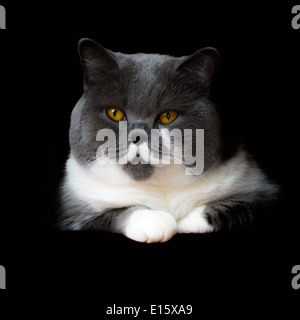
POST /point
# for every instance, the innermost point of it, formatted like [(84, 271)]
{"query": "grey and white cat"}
[(152, 202)]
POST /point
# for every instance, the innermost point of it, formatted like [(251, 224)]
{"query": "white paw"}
[(194, 222), (145, 225)]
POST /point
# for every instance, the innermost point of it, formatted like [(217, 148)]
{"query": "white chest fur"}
[(169, 189)]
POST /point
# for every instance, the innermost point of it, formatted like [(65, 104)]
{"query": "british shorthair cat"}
[(148, 157)]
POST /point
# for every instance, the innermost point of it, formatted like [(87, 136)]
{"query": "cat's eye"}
[(168, 117), (115, 114)]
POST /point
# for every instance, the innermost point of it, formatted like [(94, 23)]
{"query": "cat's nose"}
[(137, 135), (137, 139)]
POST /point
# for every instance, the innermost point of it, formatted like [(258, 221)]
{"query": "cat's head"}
[(133, 102)]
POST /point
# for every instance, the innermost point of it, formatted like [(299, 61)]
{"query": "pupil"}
[(115, 112), (168, 115)]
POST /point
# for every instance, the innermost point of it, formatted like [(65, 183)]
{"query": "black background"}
[(257, 89)]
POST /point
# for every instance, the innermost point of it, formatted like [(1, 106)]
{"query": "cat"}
[(150, 202)]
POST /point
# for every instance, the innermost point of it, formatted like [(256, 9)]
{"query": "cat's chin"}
[(139, 172)]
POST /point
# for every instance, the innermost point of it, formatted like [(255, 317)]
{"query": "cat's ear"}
[(96, 60), (203, 64)]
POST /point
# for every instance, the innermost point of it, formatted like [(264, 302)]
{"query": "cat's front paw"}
[(195, 222), (145, 225)]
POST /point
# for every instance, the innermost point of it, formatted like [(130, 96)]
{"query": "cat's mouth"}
[(139, 171)]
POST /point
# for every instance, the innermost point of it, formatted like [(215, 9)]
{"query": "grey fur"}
[(144, 85)]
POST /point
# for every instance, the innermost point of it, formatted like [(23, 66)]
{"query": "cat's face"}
[(131, 100)]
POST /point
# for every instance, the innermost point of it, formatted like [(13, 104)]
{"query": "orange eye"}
[(168, 117), (115, 114)]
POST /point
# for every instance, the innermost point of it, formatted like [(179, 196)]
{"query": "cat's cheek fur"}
[(195, 222), (145, 225)]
